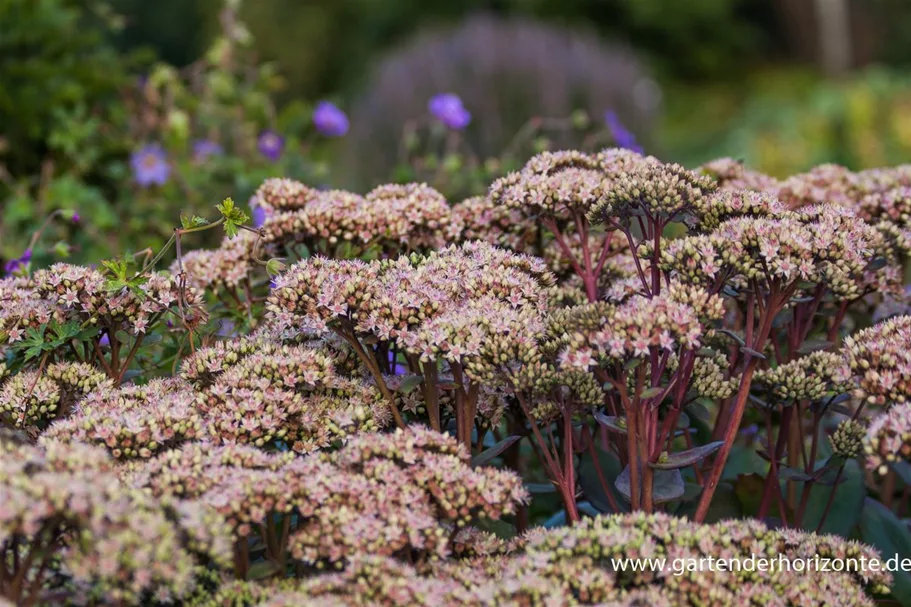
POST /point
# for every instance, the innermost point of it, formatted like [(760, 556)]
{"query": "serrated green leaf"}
[(192, 221), (226, 207), (275, 266), (33, 352), (230, 229)]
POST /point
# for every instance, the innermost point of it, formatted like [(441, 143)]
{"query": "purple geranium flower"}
[(448, 109), (150, 166), (259, 215), (14, 264), (622, 136), (329, 119), (203, 149), (227, 329), (270, 145)]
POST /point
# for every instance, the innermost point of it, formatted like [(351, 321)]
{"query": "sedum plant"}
[(387, 398)]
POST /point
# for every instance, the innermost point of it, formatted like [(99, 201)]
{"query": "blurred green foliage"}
[(330, 45), (78, 96), (785, 121), (81, 155), (58, 81)]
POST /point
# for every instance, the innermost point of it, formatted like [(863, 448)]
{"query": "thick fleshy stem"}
[(586, 273), (569, 472), (729, 436), (431, 395), (374, 369), (608, 492), (831, 500), (805, 495), (648, 474), (774, 457), (776, 299), (552, 465), (513, 460), (836, 322)]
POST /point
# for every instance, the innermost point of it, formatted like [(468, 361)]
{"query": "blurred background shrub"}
[(130, 112), (509, 72)]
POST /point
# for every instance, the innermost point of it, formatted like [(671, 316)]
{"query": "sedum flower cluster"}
[(133, 421), (481, 218), (289, 393), (577, 562), (679, 318), (732, 175), (824, 245), (84, 293), (831, 183), (422, 302), (556, 184), (575, 566), (848, 440), (22, 308), (408, 217), (65, 502), (809, 377), (880, 360), (226, 267), (824, 184), (32, 400), (666, 192), (277, 195), (888, 439), (392, 297), (388, 219), (727, 204), (396, 495)]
